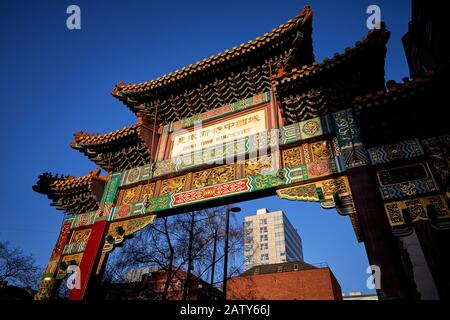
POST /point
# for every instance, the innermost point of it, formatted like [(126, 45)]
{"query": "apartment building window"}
[(264, 257), (279, 235), (282, 254), (263, 230), (264, 237), (263, 222), (264, 246)]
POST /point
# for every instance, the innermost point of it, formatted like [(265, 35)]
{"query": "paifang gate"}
[(265, 118)]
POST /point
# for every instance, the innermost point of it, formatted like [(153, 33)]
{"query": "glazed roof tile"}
[(374, 37), (74, 195), (85, 139), (252, 45), (396, 91)]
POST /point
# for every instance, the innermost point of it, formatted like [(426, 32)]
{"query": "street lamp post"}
[(211, 292), (225, 262)]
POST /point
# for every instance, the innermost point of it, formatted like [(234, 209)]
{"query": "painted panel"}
[(402, 150), (417, 208), (402, 174), (219, 112), (410, 188), (83, 220)]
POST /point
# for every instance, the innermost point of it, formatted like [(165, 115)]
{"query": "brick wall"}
[(313, 284)]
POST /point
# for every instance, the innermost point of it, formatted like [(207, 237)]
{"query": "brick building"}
[(151, 287), (285, 281)]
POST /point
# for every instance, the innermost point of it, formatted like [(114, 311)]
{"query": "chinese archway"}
[(260, 119)]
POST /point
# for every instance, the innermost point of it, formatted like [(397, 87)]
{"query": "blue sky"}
[(55, 82)]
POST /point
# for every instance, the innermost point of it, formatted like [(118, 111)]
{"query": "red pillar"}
[(90, 259), (381, 247)]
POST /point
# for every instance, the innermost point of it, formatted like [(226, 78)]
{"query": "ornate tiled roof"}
[(407, 90), (119, 150), (404, 110), (83, 140), (320, 88), (73, 195), (267, 40), (375, 37)]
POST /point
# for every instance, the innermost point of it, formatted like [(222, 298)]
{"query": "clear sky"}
[(55, 82)]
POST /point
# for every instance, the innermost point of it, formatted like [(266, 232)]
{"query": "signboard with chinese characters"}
[(219, 133)]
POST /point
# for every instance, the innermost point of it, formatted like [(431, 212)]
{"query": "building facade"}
[(270, 238), (294, 280), (149, 284)]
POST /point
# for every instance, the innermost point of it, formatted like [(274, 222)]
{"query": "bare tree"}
[(17, 268), (181, 242)]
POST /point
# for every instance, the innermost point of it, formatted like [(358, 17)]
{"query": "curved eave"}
[(70, 194), (127, 92), (106, 150), (402, 92), (375, 39)]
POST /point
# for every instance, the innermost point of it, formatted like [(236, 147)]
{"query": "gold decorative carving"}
[(292, 157), (394, 215), (308, 152), (173, 185), (417, 209), (73, 257), (127, 227), (213, 176), (307, 192), (321, 150), (129, 195), (148, 191), (259, 165), (80, 236)]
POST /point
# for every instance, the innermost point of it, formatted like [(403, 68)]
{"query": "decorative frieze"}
[(314, 170), (402, 174), (417, 209), (407, 189), (219, 112), (438, 150), (348, 136), (307, 153), (304, 130), (84, 220), (401, 150), (308, 192), (118, 231), (213, 176)]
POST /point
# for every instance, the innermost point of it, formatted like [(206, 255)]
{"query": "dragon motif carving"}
[(173, 185), (213, 176)]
